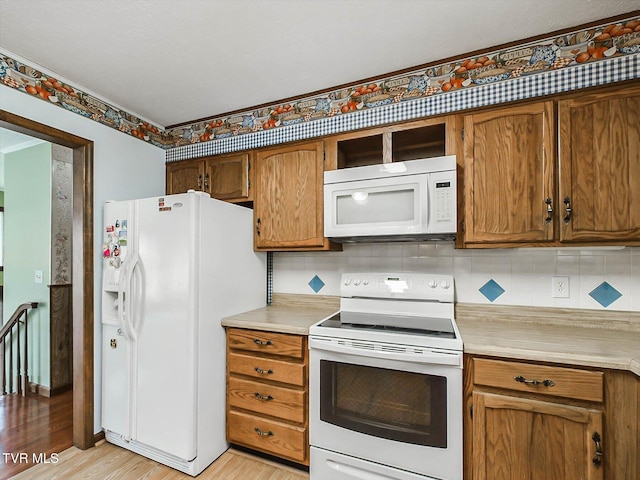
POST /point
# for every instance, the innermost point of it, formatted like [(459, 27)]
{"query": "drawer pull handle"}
[(257, 341), (263, 434), (597, 460), (259, 396), (546, 383), (267, 372)]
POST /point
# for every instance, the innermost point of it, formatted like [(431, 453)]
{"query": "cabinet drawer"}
[(267, 368), (268, 436), (267, 399), (266, 342), (567, 382)]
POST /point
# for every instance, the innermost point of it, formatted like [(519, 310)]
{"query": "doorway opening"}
[(82, 268)]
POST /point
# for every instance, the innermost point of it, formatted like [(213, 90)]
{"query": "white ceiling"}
[(175, 61)]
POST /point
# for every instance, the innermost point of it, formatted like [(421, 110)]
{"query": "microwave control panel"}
[(442, 201)]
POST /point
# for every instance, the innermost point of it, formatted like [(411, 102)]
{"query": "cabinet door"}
[(600, 166), (288, 208), (528, 439), (227, 177), (509, 158), (183, 176)]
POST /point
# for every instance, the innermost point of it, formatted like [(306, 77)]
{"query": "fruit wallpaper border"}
[(570, 51)]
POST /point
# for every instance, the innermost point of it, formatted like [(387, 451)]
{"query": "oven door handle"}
[(428, 357)]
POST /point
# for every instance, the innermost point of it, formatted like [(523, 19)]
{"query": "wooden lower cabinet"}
[(267, 393), (267, 435), (530, 439), (622, 426), (546, 422)]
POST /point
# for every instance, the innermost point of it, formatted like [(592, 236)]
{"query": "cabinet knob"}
[(199, 182), (258, 226)]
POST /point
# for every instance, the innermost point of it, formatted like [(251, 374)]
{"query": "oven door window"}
[(392, 404)]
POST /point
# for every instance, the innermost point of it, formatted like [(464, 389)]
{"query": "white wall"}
[(524, 273), (124, 168)]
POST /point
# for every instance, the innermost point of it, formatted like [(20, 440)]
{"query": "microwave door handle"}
[(434, 358)]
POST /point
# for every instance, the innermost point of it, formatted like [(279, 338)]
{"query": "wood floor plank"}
[(109, 462), (32, 428)]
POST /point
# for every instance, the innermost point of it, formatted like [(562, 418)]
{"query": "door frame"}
[(82, 266)]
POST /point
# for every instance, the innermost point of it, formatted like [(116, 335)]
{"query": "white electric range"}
[(386, 381)]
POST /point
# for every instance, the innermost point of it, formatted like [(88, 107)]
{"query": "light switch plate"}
[(38, 276)]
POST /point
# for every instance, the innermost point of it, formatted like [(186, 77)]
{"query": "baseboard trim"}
[(97, 437), (47, 391)]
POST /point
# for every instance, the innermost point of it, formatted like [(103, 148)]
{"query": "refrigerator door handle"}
[(128, 301), (137, 293), (123, 291)]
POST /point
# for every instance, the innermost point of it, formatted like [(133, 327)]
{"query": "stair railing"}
[(9, 329)]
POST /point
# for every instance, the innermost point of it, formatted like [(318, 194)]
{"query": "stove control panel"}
[(410, 286)]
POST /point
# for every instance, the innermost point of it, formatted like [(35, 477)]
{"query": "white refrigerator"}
[(173, 267)]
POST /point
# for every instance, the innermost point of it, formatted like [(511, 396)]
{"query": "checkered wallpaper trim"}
[(520, 88)]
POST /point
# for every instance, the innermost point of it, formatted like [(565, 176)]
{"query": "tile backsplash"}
[(598, 278)]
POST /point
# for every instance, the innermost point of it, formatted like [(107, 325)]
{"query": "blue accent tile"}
[(491, 290), (605, 294), (316, 284)]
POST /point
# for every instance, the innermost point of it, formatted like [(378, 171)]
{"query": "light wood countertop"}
[(287, 314), (594, 338)]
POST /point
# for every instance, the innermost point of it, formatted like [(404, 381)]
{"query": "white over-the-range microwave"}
[(403, 201)]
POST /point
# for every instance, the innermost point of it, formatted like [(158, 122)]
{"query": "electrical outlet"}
[(560, 287), (38, 276)]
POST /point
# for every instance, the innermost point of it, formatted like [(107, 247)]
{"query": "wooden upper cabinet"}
[(509, 175), (288, 198), (227, 177), (183, 176), (432, 137), (600, 167)]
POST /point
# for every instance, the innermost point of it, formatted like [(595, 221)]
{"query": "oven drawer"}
[(267, 399), (267, 368), (266, 342), (556, 381), (269, 436)]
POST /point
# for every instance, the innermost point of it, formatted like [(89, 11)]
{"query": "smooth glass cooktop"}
[(431, 327)]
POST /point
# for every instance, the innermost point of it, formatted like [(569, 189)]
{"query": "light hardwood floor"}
[(109, 462), (33, 425)]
